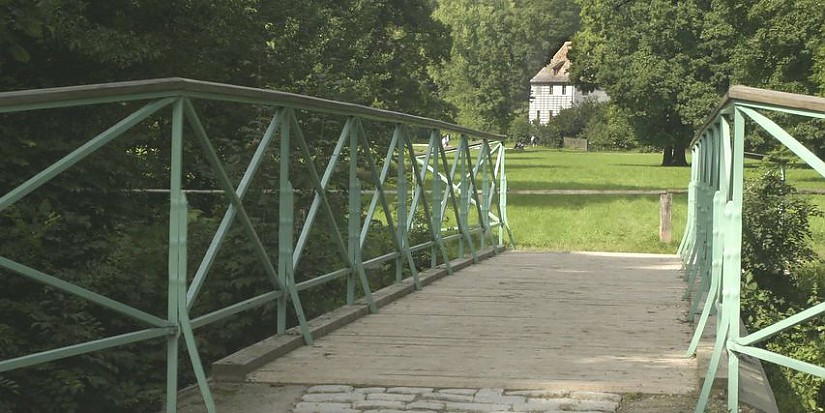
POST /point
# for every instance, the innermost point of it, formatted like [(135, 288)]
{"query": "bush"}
[(610, 131), (520, 129), (781, 279), (775, 230)]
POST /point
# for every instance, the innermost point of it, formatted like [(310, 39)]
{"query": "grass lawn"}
[(591, 222), (540, 168), (609, 222)]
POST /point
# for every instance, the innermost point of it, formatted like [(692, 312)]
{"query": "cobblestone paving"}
[(348, 399)]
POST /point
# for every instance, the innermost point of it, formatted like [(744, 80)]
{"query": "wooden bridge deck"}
[(520, 320)]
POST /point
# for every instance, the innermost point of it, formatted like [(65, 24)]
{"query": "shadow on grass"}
[(819, 179), (649, 165), (517, 157), (578, 201), (535, 166), (525, 185)]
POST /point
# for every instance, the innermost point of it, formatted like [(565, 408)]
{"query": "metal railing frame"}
[(712, 245), (179, 94)]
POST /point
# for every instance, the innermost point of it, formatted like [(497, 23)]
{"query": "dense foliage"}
[(89, 227), (497, 46), (665, 63), (604, 125), (782, 278)]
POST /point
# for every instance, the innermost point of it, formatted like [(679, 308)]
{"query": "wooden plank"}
[(520, 320), (777, 98), (764, 97)]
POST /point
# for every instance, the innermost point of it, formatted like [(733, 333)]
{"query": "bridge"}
[(436, 311)]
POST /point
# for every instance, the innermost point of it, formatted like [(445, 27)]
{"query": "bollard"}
[(665, 217)]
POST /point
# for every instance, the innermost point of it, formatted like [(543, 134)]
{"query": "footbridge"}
[(320, 256)]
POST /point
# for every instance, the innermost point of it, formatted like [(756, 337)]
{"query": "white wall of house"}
[(551, 91), (549, 100)]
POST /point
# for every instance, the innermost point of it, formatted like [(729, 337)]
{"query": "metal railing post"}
[(434, 148), (354, 214), (284, 209), (401, 184), (176, 204), (401, 219), (180, 94)]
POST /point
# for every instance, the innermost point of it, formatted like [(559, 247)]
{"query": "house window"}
[(538, 115), (549, 89), (558, 67), (551, 112), (563, 89)]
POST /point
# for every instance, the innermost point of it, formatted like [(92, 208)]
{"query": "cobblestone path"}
[(348, 399)]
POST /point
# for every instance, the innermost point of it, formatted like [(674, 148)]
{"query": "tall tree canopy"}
[(84, 228), (373, 52), (666, 63), (650, 58), (497, 47)]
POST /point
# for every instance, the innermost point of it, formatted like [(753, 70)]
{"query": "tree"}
[(375, 53), (86, 227), (772, 45), (497, 47), (650, 58)]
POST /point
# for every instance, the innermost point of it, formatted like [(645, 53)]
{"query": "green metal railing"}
[(472, 183), (712, 245)]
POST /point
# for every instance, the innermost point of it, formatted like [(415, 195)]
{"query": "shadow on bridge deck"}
[(520, 320)]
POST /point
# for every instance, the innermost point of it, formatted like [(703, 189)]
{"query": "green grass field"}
[(609, 222), (538, 168)]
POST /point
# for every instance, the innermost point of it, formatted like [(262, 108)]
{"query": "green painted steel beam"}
[(236, 308), (180, 297), (385, 170), (386, 206), (285, 213), (458, 209), (82, 152), (779, 359), (316, 200), (229, 215), (189, 88), (401, 198), (319, 185), (357, 134), (83, 293), (789, 141), (438, 211), (176, 202), (83, 348), (774, 329), (474, 185), (773, 108), (229, 192), (419, 177), (322, 279)]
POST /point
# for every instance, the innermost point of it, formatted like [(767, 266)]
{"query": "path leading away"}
[(598, 322)]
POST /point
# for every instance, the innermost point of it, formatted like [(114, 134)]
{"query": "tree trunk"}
[(667, 156), (679, 155), (674, 155)]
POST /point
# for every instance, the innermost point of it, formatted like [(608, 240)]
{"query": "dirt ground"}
[(676, 403)]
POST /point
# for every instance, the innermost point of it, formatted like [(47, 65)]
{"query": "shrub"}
[(781, 279)]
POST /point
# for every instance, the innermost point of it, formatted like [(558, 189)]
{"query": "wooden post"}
[(665, 217)]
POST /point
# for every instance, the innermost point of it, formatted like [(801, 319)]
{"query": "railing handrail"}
[(712, 245), (469, 184), (755, 95), (182, 87)]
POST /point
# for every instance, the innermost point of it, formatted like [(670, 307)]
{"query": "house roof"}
[(556, 70)]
